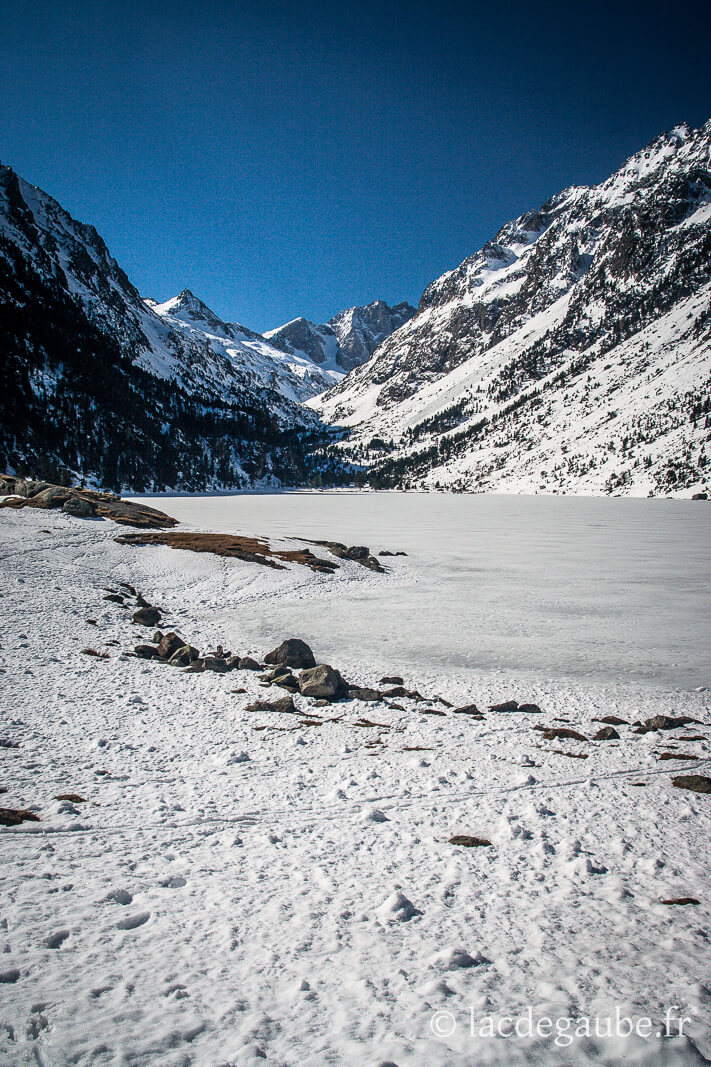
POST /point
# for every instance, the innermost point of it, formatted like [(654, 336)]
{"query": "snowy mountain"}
[(98, 383), (345, 341), (572, 353), (293, 375)]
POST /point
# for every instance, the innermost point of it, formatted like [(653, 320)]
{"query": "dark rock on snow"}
[(292, 653), (147, 616), (698, 783), (608, 733), (322, 681)]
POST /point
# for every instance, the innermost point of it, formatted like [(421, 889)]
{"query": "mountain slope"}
[(345, 341), (95, 383), (294, 376), (572, 353)]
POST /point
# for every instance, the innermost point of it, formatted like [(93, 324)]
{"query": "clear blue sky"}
[(285, 159)]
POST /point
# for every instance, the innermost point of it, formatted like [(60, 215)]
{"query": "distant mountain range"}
[(98, 383), (572, 353)]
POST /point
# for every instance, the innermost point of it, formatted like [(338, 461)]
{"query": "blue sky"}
[(285, 159)]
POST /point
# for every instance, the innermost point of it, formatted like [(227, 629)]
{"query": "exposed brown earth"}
[(236, 546)]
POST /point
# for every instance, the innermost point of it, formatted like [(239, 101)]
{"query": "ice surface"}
[(605, 589)]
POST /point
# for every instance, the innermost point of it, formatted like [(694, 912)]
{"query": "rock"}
[(372, 564), (146, 652), (196, 667), (664, 722), (246, 663), (321, 703), (468, 709), (558, 733), (73, 798), (394, 680), (677, 756), (292, 653), (7, 485), (14, 816), (469, 842), (215, 663), (507, 705), (284, 704), (168, 645), (322, 681), (680, 900), (613, 720), (364, 693), (184, 656), (157, 636), (232, 662), (287, 681), (529, 709), (357, 552), (78, 507), (54, 496), (147, 616), (698, 496), (29, 487), (608, 733), (698, 783), (114, 598)]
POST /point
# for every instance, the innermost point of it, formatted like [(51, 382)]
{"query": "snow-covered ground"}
[(240, 888)]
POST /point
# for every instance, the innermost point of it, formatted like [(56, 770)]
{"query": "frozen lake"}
[(610, 590)]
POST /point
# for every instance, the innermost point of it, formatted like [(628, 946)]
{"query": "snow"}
[(238, 895)]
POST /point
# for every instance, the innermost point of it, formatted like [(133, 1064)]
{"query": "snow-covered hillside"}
[(345, 341), (294, 376), (571, 354), (100, 384)]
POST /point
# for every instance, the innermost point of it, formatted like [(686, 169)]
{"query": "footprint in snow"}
[(57, 940), (131, 922)]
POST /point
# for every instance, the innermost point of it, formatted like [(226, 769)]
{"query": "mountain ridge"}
[(558, 293)]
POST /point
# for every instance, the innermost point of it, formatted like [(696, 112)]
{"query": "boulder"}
[(613, 720), (246, 663), (29, 487), (555, 733), (196, 666), (698, 783), (507, 705), (292, 653), (284, 704), (114, 598), (7, 484), (364, 693), (54, 496), (699, 496), (168, 644), (184, 656), (148, 616), (608, 733), (78, 507), (529, 709), (394, 679), (663, 722), (321, 681), (215, 663), (146, 652)]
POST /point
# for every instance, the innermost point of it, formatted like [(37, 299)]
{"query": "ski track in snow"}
[(199, 909)]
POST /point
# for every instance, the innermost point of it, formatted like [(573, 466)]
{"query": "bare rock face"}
[(292, 653), (321, 682)]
